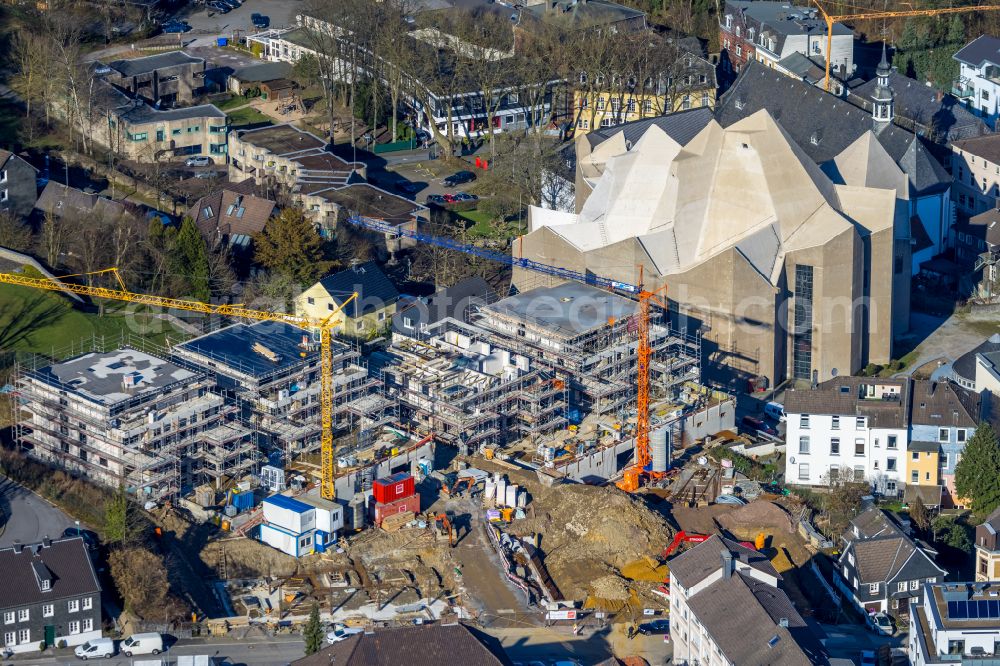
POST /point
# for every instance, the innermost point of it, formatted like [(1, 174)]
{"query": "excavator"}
[(463, 483), (692, 537), (443, 525)]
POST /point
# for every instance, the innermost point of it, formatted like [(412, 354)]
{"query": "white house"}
[(978, 84), (853, 426), (955, 623)]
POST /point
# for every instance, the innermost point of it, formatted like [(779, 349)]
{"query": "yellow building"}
[(922, 465), (690, 84), (363, 318)]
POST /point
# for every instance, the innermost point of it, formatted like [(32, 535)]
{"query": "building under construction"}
[(588, 337), (272, 371), (467, 391), (131, 418)]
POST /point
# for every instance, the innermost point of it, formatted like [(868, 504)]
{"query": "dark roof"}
[(226, 213), (692, 566), (449, 302), (584, 15), (681, 127), (993, 520), (262, 72), (420, 645), (841, 396), (982, 49), (148, 64), (944, 404), (873, 523), (367, 279), (111, 100), (929, 495), (923, 447), (939, 114), (987, 147), (803, 67), (282, 139), (6, 155), (744, 616), (824, 125), (58, 200), (65, 561), (918, 234), (965, 365), (370, 201), (882, 549), (985, 226)]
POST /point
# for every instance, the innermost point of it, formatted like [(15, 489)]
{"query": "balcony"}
[(962, 90)]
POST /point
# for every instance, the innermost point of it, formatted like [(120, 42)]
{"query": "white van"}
[(142, 644), (775, 410), (96, 648)]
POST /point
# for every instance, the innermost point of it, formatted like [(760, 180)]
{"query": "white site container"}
[(501, 490), (289, 514), (511, 499)]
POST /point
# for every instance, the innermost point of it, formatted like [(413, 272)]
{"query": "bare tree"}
[(14, 234), (53, 239)]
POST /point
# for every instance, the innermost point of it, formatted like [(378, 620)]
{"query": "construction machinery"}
[(443, 524), (642, 460), (874, 14), (325, 327), (683, 537)]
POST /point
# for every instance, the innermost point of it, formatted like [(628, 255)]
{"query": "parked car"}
[(449, 198), (882, 624), (775, 410), (406, 187), (465, 196), (198, 161), (208, 175), (459, 178), (219, 6), (423, 136), (174, 26), (96, 648), (756, 425), (259, 20), (655, 628), (150, 643), (232, 4), (435, 200), (90, 539), (341, 632)]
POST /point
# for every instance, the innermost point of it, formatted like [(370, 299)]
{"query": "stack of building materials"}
[(393, 495)]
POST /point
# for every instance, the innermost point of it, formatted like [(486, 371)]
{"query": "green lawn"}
[(43, 322), (247, 116), (232, 102)]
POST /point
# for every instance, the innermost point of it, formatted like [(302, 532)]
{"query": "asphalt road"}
[(26, 517), (270, 652), (281, 12)]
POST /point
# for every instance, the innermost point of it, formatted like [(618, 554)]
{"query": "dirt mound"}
[(757, 514), (589, 532)]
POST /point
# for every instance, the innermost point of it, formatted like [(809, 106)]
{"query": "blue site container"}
[(243, 501), (223, 41)]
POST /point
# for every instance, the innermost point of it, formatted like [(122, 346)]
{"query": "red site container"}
[(392, 488), (411, 503)]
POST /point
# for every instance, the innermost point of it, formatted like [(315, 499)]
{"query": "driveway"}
[(26, 517)]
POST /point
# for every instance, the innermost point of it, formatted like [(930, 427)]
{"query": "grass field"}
[(45, 323), (247, 116)]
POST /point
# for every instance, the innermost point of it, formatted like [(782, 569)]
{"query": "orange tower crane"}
[(328, 471), (834, 18)]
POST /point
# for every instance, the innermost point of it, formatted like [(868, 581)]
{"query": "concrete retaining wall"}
[(345, 485)]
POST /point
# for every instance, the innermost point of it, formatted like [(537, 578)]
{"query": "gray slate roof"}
[(681, 127), (965, 366), (824, 125), (945, 404), (373, 287), (72, 573), (840, 396), (264, 71), (147, 64), (982, 49), (692, 566)]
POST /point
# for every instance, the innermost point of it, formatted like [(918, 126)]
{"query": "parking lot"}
[(202, 20), (426, 174)]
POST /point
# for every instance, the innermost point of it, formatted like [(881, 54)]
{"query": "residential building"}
[(979, 368), (231, 216), (882, 154), (416, 317), (849, 428), (668, 210), (127, 418), (164, 80), (270, 375), (367, 315), (880, 567), (416, 645), (811, 70), (767, 31), (727, 607), (975, 164), (58, 200), (51, 595), (955, 623), (329, 206), (18, 184), (988, 548), (923, 479), (978, 84), (977, 252), (286, 156), (615, 99)]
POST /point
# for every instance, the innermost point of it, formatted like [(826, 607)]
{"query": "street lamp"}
[(77, 528)]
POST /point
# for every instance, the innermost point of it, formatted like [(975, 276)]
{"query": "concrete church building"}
[(786, 273)]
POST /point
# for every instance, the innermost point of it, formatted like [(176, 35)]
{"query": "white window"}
[(873, 588), (73, 606), (729, 20), (914, 584), (804, 471), (943, 435), (859, 446), (890, 442), (860, 423), (46, 585), (960, 435), (845, 573), (74, 627), (890, 464), (8, 617), (407, 322), (48, 610), (944, 460), (3, 176), (381, 316), (834, 423), (23, 615), (3, 195), (834, 446), (9, 637), (804, 445), (23, 636), (88, 603), (88, 624), (804, 421)]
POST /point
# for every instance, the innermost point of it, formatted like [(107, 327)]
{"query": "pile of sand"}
[(588, 532)]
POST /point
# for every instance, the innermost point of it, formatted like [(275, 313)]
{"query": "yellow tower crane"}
[(834, 18), (325, 327)]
